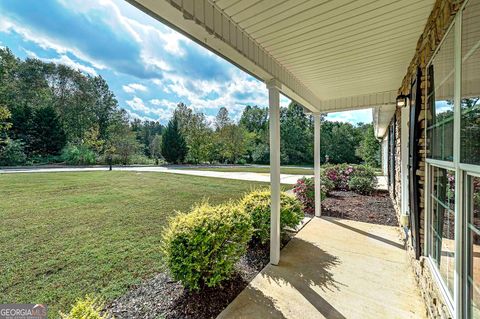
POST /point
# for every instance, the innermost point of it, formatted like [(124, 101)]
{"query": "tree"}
[(222, 119), (124, 144), (156, 147), (296, 135), (5, 123), (48, 137), (369, 149), (174, 147)]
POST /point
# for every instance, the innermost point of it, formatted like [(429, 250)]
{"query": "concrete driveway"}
[(246, 176)]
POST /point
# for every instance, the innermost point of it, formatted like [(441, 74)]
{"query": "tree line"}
[(53, 113)]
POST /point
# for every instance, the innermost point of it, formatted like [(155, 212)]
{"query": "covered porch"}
[(328, 56), (326, 276)]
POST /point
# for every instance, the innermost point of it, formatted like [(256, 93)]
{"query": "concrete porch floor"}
[(335, 268)]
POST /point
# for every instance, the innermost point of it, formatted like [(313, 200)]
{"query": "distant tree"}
[(369, 149), (174, 147), (254, 119), (48, 136), (296, 136), (93, 140), (5, 124), (156, 147), (222, 119)]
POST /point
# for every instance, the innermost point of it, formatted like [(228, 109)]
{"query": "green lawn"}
[(63, 235), (254, 169)]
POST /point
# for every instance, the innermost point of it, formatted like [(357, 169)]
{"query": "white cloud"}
[(205, 95), (134, 87), (162, 113), (65, 60), (163, 103), (45, 42), (352, 117)]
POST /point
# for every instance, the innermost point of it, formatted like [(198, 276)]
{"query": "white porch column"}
[(274, 122), (316, 159)]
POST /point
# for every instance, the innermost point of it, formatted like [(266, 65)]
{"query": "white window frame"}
[(458, 303)]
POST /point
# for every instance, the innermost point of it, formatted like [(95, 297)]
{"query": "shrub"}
[(340, 177), (201, 247), (12, 153), (86, 308), (304, 190), (361, 185), (78, 155), (257, 205), (141, 159)]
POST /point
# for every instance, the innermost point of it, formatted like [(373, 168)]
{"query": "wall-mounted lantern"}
[(402, 100)]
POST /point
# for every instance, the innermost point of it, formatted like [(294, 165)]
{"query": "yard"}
[(63, 235)]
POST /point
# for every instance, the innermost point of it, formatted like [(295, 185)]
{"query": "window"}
[(470, 103), (473, 246), (441, 78), (443, 223)]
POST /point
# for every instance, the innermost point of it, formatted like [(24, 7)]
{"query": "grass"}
[(64, 235)]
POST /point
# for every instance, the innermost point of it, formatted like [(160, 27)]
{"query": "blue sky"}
[(149, 67)]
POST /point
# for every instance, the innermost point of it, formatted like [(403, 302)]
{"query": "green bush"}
[(257, 205), (141, 159), (340, 177), (78, 155), (361, 185), (86, 308), (12, 153), (201, 248)]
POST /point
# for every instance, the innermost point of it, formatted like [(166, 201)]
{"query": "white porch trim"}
[(274, 126), (318, 198)]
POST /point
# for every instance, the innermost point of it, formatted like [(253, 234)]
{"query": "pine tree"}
[(174, 147)]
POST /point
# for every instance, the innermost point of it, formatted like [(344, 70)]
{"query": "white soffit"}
[(382, 115), (320, 50)]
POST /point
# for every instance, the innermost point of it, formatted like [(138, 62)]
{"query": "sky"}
[(149, 67)]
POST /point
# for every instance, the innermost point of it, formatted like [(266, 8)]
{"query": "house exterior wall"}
[(437, 24)]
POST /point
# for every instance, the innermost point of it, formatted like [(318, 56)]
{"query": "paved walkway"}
[(245, 176), (334, 269)]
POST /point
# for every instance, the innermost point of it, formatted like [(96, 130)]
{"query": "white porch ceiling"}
[(336, 48), (328, 55)]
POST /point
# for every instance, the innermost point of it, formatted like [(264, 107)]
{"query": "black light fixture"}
[(402, 100)]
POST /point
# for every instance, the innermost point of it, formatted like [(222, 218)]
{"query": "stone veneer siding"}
[(437, 24)]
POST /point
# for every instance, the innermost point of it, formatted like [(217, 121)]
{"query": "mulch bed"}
[(165, 298), (162, 297), (376, 208)]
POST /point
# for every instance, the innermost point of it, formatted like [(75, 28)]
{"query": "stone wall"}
[(437, 24)]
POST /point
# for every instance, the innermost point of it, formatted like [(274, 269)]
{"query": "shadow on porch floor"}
[(335, 268)]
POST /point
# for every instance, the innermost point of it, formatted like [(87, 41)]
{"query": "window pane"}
[(473, 279), (443, 224), (470, 121), (440, 99)]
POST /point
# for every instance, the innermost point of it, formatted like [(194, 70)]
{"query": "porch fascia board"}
[(382, 115), (204, 23), (357, 102)]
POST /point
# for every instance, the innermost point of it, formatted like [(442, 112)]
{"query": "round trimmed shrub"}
[(201, 248), (362, 185), (257, 205), (304, 191), (86, 308)]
